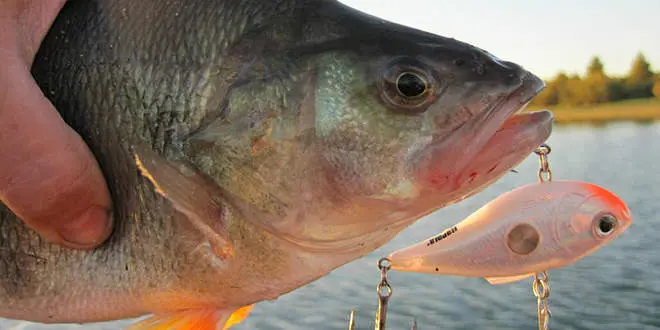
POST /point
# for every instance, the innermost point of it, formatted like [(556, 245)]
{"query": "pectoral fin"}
[(190, 194), (197, 319), (507, 279)]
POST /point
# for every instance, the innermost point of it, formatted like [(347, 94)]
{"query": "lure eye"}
[(605, 224), (523, 239)]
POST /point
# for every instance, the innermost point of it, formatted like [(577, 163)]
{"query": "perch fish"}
[(251, 147)]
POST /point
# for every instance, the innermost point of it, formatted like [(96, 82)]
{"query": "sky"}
[(544, 36)]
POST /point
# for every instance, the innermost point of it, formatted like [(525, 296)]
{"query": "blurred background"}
[(598, 59), (596, 56)]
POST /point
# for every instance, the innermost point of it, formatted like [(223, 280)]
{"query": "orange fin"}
[(198, 319), (507, 279), (186, 320), (190, 194), (238, 316)]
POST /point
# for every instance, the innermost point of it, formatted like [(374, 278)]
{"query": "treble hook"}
[(384, 291)]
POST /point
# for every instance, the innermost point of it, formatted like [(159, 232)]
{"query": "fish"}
[(531, 229), (251, 147)]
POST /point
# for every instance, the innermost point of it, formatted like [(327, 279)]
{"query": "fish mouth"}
[(502, 138)]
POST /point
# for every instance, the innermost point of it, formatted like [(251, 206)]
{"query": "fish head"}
[(337, 139), (419, 115), (407, 122)]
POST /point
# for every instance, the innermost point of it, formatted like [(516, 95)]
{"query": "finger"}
[(48, 176)]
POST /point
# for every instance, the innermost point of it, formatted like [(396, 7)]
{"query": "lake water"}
[(618, 287)]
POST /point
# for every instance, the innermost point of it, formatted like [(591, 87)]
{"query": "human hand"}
[(48, 176)]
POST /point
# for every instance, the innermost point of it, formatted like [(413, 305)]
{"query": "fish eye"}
[(407, 86), (411, 85), (605, 224)]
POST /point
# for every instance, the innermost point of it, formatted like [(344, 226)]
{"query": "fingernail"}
[(89, 230)]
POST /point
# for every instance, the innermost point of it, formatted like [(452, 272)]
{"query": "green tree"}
[(595, 87), (616, 89), (571, 89), (640, 72), (639, 82), (596, 68)]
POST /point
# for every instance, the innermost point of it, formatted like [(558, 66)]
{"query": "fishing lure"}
[(523, 232)]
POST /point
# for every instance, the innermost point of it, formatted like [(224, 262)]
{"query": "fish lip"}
[(508, 147), (519, 98), (517, 101), (502, 137), (530, 129), (513, 105), (497, 115)]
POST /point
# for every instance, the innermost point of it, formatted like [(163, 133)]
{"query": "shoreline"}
[(640, 110)]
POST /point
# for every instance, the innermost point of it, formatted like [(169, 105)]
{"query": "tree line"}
[(595, 86)]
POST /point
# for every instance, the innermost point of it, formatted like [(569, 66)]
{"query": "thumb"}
[(48, 176)]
